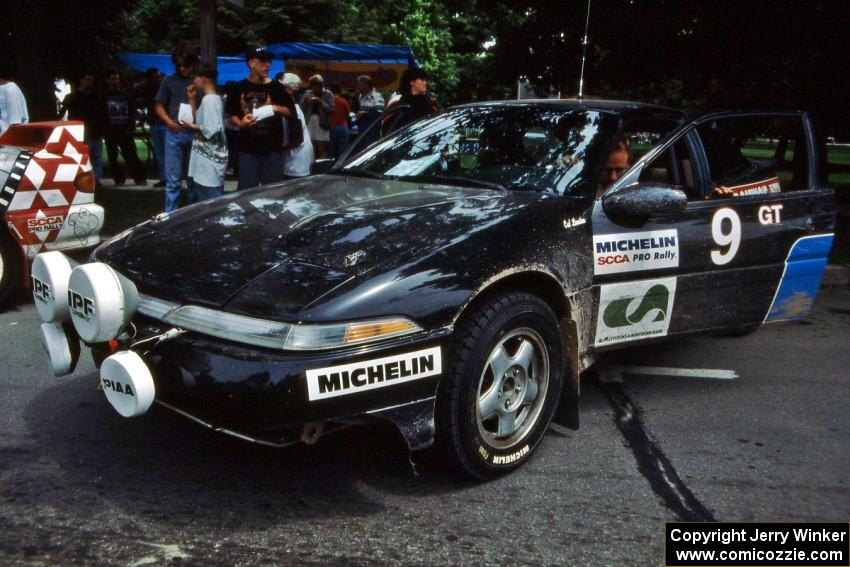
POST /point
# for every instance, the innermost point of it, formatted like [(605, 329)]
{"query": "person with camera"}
[(318, 105)]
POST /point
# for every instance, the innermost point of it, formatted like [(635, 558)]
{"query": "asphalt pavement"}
[(81, 485)]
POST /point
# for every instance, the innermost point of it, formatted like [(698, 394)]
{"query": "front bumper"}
[(264, 395)]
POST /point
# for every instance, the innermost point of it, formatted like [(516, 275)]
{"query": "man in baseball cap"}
[(259, 54), (255, 106)]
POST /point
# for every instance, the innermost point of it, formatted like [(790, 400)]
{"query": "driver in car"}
[(618, 163)]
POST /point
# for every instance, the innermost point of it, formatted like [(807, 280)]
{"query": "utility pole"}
[(207, 13)]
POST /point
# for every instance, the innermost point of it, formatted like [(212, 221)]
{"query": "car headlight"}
[(285, 336), (239, 328), (314, 337)]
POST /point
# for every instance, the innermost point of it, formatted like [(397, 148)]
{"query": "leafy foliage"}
[(792, 53), (424, 26)]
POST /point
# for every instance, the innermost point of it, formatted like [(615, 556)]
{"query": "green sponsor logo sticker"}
[(654, 301), (631, 311)]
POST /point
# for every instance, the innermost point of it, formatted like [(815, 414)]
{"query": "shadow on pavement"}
[(178, 472)]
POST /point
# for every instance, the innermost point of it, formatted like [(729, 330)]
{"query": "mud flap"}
[(568, 409), (415, 421)]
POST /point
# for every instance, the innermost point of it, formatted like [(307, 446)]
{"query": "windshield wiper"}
[(453, 180), (355, 172)]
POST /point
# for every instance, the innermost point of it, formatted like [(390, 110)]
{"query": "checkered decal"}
[(14, 180), (41, 194)]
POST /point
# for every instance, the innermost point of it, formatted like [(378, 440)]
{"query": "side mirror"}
[(644, 200), (321, 166)]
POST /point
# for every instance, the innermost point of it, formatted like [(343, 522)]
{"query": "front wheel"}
[(505, 374)]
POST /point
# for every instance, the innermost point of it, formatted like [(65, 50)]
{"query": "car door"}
[(772, 228), (750, 245), (648, 265)]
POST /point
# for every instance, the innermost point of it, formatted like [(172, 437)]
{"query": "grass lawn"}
[(144, 154)]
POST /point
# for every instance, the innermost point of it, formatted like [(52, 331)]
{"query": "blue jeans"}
[(96, 156), (158, 131), (255, 169), (178, 145), (202, 192), (339, 141)]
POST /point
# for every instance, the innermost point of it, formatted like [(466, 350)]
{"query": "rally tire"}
[(503, 383), (10, 267)]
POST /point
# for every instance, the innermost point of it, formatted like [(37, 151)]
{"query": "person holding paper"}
[(255, 106), (178, 139), (208, 160)]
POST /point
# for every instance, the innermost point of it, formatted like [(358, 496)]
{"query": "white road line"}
[(713, 373)]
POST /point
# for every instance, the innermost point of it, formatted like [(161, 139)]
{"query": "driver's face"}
[(618, 164)]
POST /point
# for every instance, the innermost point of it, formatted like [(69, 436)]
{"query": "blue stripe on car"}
[(801, 278)]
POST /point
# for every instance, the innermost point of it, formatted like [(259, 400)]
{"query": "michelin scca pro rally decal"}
[(347, 379), (634, 310), (634, 251)]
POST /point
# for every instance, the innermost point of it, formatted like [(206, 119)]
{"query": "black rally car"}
[(454, 278)]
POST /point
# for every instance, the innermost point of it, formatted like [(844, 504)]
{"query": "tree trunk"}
[(207, 13)]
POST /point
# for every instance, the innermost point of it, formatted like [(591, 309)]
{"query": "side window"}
[(673, 167), (755, 155), (636, 139), (643, 135)]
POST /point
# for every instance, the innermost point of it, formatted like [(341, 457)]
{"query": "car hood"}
[(300, 239)]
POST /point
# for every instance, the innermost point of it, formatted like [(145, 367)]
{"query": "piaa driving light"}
[(277, 335)]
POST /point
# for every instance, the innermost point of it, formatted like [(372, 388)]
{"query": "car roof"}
[(621, 107)]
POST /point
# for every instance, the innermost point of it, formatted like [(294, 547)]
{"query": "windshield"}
[(513, 147)]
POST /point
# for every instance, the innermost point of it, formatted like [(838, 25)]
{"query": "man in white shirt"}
[(13, 105), (298, 154)]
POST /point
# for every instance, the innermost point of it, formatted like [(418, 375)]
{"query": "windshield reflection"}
[(511, 147)]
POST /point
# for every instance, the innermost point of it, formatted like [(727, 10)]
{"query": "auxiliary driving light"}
[(127, 382), (62, 346), (101, 301), (49, 277)]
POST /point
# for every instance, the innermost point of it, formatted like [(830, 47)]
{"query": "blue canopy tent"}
[(229, 68), (384, 60), (344, 52)]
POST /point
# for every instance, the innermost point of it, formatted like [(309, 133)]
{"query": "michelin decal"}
[(634, 310), (356, 377), (635, 251)]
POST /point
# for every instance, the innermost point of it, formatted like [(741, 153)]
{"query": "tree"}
[(60, 38), (424, 26)]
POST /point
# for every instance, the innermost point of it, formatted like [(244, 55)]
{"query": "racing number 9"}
[(730, 237)]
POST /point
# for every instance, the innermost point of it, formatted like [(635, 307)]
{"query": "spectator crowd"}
[(260, 130)]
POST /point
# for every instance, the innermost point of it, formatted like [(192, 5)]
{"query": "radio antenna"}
[(584, 53)]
